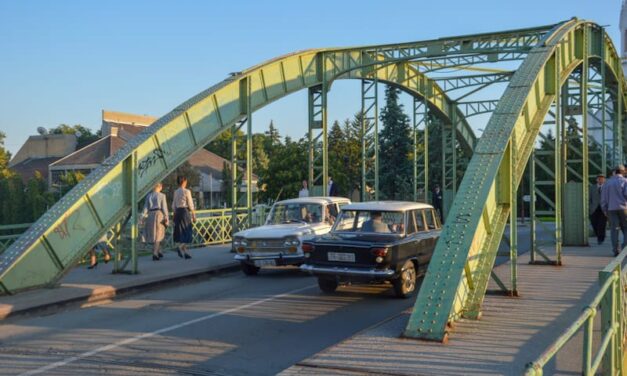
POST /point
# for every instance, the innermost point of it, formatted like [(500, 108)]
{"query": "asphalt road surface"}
[(226, 325)]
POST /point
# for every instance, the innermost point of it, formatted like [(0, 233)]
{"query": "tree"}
[(286, 170), (69, 180), (185, 169), (86, 136), (5, 156), (395, 148), (38, 200)]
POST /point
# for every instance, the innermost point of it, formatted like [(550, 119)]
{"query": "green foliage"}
[(86, 135), (5, 156), (395, 148)]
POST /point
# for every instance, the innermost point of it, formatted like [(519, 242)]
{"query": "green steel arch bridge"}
[(565, 77)]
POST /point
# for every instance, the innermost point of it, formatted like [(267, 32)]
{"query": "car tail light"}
[(379, 251), (308, 247)]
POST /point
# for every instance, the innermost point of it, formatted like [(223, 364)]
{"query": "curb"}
[(109, 292)]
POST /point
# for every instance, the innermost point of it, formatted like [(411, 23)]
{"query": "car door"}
[(432, 232)]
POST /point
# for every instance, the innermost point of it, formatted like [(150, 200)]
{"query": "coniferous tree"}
[(395, 148)]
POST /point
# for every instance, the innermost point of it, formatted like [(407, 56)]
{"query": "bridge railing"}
[(611, 302), (9, 233), (212, 226)]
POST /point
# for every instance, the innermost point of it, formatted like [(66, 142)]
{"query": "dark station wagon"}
[(375, 242)]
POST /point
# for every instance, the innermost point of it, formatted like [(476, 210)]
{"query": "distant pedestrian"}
[(102, 247), (437, 201), (184, 215), (332, 189), (597, 217), (304, 191), (157, 220), (614, 205)]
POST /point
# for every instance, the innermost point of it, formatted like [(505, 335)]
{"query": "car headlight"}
[(239, 242), (291, 242), (243, 242)]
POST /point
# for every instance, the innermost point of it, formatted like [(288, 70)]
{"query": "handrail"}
[(611, 293)]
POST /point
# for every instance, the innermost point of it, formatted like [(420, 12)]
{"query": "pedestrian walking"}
[(304, 191), (614, 205), (156, 220), (597, 217), (184, 215), (437, 200), (332, 188)]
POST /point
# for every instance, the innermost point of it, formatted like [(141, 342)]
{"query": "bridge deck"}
[(512, 331)]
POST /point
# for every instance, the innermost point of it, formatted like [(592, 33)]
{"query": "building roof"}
[(94, 153), (211, 163), (126, 118), (387, 206), (314, 200), (27, 168)]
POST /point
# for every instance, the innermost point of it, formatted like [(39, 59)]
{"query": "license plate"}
[(344, 257), (265, 263)]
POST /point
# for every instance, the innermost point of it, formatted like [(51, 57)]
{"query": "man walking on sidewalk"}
[(614, 205), (597, 218)]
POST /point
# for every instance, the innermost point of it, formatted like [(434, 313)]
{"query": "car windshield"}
[(294, 213), (370, 221)]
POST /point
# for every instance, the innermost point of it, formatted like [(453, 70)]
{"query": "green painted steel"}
[(470, 238), (56, 241), (10, 233), (608, 357)]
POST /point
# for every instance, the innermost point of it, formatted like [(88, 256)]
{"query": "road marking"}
[(140, 337)]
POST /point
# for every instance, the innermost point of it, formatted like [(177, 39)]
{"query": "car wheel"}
[(405, 284), (327, 285), (249, 269)]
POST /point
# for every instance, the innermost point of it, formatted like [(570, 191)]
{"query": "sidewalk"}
[(511, 332), (83, 286)]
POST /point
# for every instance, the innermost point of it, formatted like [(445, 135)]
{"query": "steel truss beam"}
[(318, 146), (458, 273), (472, 108), (370, 139), (461, 82), (420, 122)]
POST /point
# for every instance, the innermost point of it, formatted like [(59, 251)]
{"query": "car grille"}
[(265, 244)]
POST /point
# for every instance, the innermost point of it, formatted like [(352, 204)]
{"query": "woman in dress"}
[(156, 211), (184, 215)]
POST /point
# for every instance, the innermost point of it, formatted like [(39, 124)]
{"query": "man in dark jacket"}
[(597, 218), (437, 200), (614, 205)]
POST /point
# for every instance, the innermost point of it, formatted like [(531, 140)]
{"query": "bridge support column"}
[(369, 139), (318, 146), (421, 150), (449, 162)]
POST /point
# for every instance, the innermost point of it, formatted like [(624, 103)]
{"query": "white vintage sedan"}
[(279, 241)]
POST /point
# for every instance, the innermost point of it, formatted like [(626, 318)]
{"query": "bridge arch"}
[(458, 274), (70, 228)]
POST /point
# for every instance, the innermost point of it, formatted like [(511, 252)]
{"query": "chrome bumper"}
[(285, 258), (352, 272)]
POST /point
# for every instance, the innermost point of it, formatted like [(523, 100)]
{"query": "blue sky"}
[(65, 61)]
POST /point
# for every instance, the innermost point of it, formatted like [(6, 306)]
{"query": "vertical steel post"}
[(587, 345), (603, 115), (421, 150), (532, 207), (513, 219), (249, 153), (134, 199), (325, 136), (234, 188), (311, 99), (584, 129), (369, 137), (454, 148), (559, 128)]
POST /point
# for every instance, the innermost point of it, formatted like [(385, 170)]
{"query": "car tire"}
[(249, 269), (405, 284), (327, 285)]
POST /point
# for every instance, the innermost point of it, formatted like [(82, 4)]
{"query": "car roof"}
[(387, 206), (314, 200)]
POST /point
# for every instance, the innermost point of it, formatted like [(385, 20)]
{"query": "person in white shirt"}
[(304, 192), (184, 215)]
